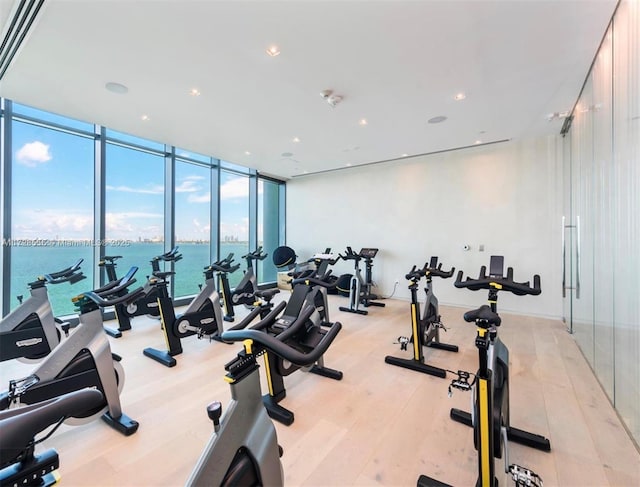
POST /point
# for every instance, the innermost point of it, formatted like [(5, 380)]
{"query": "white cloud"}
[(132, 224), (33, 153), (199, 198), (188, 186), (236, 188), (152, 189), (44, 223)]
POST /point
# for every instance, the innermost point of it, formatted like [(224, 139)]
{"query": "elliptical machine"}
[(359, 288), (82, 360), (30, 331), (425, 328), (147, 303), (490, 419), (244, 447), (245, 292), (19, 464)]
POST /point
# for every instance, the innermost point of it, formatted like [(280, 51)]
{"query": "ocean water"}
[(27, 263)]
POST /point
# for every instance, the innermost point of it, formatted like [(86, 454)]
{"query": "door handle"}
[(577, 257), (564, 261)]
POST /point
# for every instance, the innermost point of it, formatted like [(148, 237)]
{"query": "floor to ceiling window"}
[(73, 190), (52, 204), (234, 219), (134, 206), (269, 208), (192, 224)]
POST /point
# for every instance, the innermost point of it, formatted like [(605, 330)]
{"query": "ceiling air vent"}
[(18, 26)]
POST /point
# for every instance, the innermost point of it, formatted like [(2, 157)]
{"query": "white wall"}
[(506, 196)]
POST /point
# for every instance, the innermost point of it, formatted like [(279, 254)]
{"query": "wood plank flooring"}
[(380, 425)]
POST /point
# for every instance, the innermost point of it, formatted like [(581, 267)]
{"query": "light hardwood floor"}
[(380, 425)]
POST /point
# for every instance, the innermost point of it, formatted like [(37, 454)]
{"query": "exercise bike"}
[(244, 448), (279, 323), (359, 288), (490, 419), (317, 295), (30, 331), (258, 298), (203, 316), (245, 292), (147, 303), (425, 328), (82, 360), (19, 464)]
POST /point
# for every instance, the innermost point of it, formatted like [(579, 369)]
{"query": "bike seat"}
[(20, 426), (163, 275), (483, 313), (267, 294)]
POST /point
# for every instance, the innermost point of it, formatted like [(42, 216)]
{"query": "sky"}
[(52, 186)]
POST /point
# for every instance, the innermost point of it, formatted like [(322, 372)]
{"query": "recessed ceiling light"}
[(273, 51), (405, 155), (363, 121), (296, 139), (145, 118), (438, 119), (459, 96), (478, 142), (348, 164), (194, 92), (116, 88), (247, 153)]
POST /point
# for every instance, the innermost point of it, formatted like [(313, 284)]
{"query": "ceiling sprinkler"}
[(331, 99)]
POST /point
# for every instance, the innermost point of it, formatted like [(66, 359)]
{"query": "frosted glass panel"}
[(626, 143), (583, 211), (603, 215)]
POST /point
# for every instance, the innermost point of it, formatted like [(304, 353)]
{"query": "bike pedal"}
[(523, 477)]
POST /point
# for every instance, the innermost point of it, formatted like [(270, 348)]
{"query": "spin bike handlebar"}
[(227, 260), (277, 346), (127, 279), (172, 255), (257, 254), (414, 274), (103, 303), (111, 259), (223, 266), (72, 278), (504, 283), (315, 281), (19, 426), (326, 257), (438, 272), (350, 255), (71, 274), (68, 271)]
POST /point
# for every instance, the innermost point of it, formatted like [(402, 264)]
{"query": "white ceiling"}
[(395, 63)]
